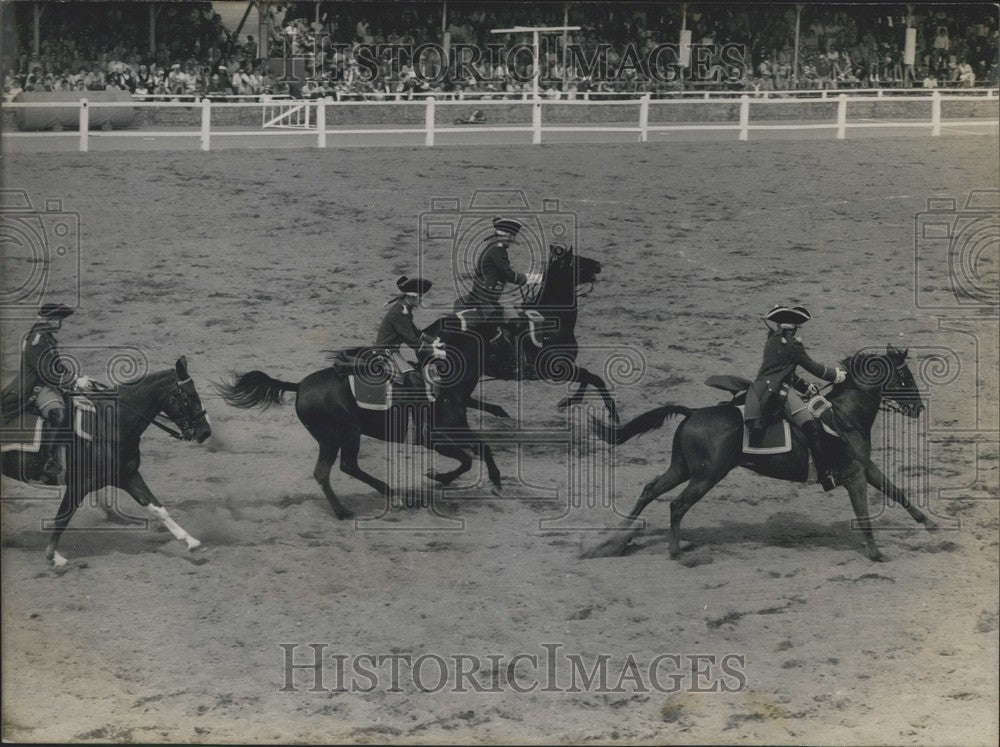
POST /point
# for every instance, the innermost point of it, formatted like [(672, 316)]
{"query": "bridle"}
[(178, 396)]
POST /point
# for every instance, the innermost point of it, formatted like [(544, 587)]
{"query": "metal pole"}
[(795, 59), (565, 43), (936, 113), (537, 71), (152, 28), (36, 42), (744, 117)]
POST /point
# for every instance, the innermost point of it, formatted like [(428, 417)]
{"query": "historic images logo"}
[(433, 63), (313, 668)]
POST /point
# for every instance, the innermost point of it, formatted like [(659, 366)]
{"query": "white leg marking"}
[(58, 560), (174, 528)]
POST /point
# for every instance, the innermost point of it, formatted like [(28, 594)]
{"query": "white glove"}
[(437, 349), (534, 278), (840, 376), (84, 383)]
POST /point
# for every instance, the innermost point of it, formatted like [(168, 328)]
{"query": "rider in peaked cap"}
[(397, 328), (493, 271), (783, 354)]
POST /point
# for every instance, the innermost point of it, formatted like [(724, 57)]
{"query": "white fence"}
[(316, 113)]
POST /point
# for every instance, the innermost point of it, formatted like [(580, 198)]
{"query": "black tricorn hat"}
[(418, 286), (506, 228), (54, 311), (788, 315)]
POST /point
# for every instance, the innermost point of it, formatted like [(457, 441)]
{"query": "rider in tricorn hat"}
[(43, 383), (397, 328), (783, 353)]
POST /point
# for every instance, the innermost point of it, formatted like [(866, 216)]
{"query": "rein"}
[(176, 434)]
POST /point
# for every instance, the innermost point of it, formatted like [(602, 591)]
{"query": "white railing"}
[(430, 129)]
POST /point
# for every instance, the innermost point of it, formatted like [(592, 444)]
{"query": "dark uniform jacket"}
[(493, 271), (783, 353), (40, 366), (397, 327)]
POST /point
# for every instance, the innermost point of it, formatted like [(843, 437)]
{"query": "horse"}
[(708, 445), (108, 455), (543, 332), (326, 406)]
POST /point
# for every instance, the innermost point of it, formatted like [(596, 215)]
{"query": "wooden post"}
[(936, 113), (84, 126), (744, 117), (536, 122), (429, 122), (644, 118), (841, 116), (206, 124), (444, 18), (321, 122)]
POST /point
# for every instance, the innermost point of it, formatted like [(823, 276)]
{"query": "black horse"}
[(708, 445), (328, 409), (545, 346), (104, 451)]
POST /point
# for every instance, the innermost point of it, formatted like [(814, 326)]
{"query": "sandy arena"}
[(248, 259)]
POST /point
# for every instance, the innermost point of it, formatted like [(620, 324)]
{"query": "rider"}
[(397, 328), (493, 272), (783, 353), (43, 384)]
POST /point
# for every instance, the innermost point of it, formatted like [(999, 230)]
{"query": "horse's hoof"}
[(345, 514), (496, 488), (563, 403), (931, 526), (876, 556), (192, 543), (57, 560)]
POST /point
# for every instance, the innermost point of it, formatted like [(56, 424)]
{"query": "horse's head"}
[(565, 272), (181, 403), (889, 374)]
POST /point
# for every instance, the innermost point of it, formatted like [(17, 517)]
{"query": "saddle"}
[(776, 437), (20, 447), (376, 381)]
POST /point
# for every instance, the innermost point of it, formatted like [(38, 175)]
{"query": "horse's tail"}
[(619, 434), (254, 389)]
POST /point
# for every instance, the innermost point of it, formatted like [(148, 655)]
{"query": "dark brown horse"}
[(549, 351), (328, 409), (109, 454), (708, 445)]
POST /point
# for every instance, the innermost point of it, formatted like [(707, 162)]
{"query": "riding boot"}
[(49, 447), (815, 438)]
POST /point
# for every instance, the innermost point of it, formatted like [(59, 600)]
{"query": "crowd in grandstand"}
[(105, 46)]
